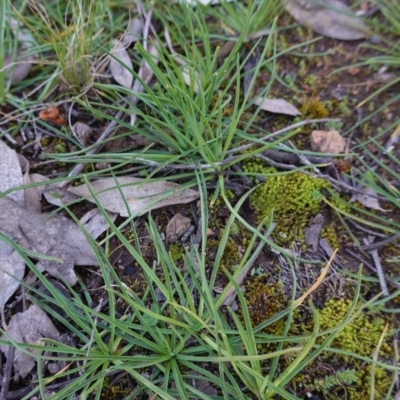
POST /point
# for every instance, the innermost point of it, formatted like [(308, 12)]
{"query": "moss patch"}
[(293, 198)]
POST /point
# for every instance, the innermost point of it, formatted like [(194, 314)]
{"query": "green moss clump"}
[(361, 337), (176, 252), (265, 300), (329, 233), (313, 109), (293, 198)]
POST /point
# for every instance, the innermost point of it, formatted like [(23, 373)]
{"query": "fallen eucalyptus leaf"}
[(12, 269), (334, 19), (120, 64), (145, 74), (277, 106), (11, 174), (23, 36), (16, 68), (133, 32), (313, 231), (367, 198), (140, 196), (190, 76), (51, 191), (95, 223), (56, 237), (30, 326)]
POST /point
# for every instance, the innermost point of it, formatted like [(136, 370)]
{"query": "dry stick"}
[(274, 163), (277, 133), (369, 231), (231, 293), (278, 155), (384, 242), (5, 382), (375, 257), (371, 267)]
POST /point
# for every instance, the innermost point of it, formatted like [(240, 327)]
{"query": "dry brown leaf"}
[(145, 74), (51, 191), (277, 106), (12, 269), (16, 68), (32, 195), (140, 196), (313, 232), (120, 65), (367, 198), (133, 32), (334, 19), (11, 174), (30, 326), (317, 282), (95, 223), (57, 237)]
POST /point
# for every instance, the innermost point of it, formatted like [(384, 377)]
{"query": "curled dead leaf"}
[(52, 114)]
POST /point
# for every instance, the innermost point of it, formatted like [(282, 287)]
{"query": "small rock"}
[(327, 142), (82, 132), (176, 227), (210, 232)]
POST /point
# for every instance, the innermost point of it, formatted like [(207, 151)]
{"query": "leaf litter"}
[(30, 327), (330, 18), (121, 64), (57, 237), (134, 196)]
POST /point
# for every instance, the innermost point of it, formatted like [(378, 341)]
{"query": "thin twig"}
[(274, 163), (369, 231), (5, 382), (375, 256), (384, 242), (371, 267), (277, 133), (231, 293)]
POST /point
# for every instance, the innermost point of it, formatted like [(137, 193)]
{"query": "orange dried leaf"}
[(52, 114)]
